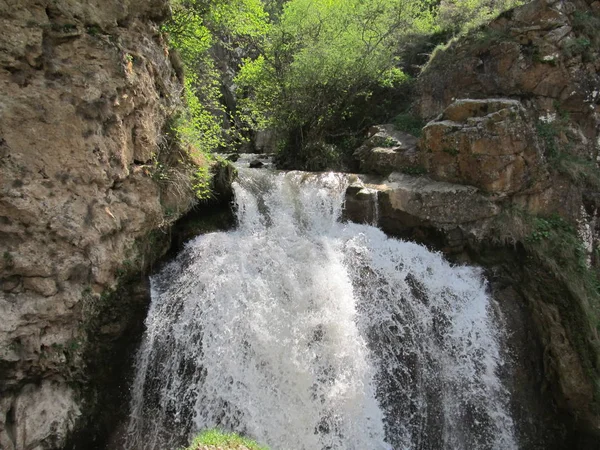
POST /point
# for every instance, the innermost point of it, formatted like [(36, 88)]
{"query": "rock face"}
[(86, 181), (512, 142), (489, 144), (387, 149), (543, 54)]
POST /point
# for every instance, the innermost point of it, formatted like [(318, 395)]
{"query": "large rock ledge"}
[(553, 389), (400, 202)]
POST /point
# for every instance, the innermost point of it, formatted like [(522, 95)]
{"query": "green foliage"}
[(462, 15), (549, 132), (543, 228), (409, 123), (315, 156), (581, 171), (558, 255), (202, 183), (320, 65), (389, 142), (224, 441), (193, 31), (93, 30), (198, 126), (484, 37), (587, 24), (418, 170), (577, 46), (324, 51)]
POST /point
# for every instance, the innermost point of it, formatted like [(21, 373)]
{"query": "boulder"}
[(489, 144), (386, 150), (361, 204), (404, 202)]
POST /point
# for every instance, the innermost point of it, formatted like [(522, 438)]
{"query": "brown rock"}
[(85, 89), (484, 143), (387, 150), (44, 286)]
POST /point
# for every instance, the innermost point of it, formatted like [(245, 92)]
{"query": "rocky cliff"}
[(505, 175), (89, 184)]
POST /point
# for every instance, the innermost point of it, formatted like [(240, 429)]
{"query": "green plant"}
[(587, 24), (389, 142), (549, 132), (223, 441), (323, 59), (576, 46), (418, 170), (544, 226), (93, 30), (409, 123), (581, 171), (202, 183), (9, 260), (463, 15), (451, 151), (484, 37)]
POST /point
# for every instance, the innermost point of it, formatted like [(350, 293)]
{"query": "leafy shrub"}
[(409, 123)]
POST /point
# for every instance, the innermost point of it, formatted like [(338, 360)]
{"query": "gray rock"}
[(387, 150)]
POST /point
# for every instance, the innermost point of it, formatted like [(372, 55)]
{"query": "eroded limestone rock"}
[(386, 150), (400, 202), (85, 88), (488, 143)]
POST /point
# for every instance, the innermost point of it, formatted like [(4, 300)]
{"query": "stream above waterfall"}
[(304, 332)]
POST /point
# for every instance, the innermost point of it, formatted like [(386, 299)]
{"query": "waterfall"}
[(306, 333)]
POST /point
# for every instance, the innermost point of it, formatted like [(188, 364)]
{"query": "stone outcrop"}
[(544, 54), (387, 149), (511, 144), (488, 143), (87, 183), (407, 201)]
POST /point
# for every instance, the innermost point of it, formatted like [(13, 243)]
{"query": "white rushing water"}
[(308, 333)]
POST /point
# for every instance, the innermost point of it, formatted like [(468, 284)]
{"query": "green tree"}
[(324, 55), (194, 29)]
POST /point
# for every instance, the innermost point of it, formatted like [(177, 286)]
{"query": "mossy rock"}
[(217, 440)]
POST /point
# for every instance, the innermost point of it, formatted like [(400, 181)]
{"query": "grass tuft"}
[(215, 439)]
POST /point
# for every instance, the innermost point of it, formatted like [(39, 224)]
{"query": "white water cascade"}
[(306, 333)]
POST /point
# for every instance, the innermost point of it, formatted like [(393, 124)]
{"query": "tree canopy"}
[(312, 67)]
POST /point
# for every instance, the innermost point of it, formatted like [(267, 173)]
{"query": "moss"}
[(558, 273), (216, 439), (418, 170), (451, 151), (9, 260)]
